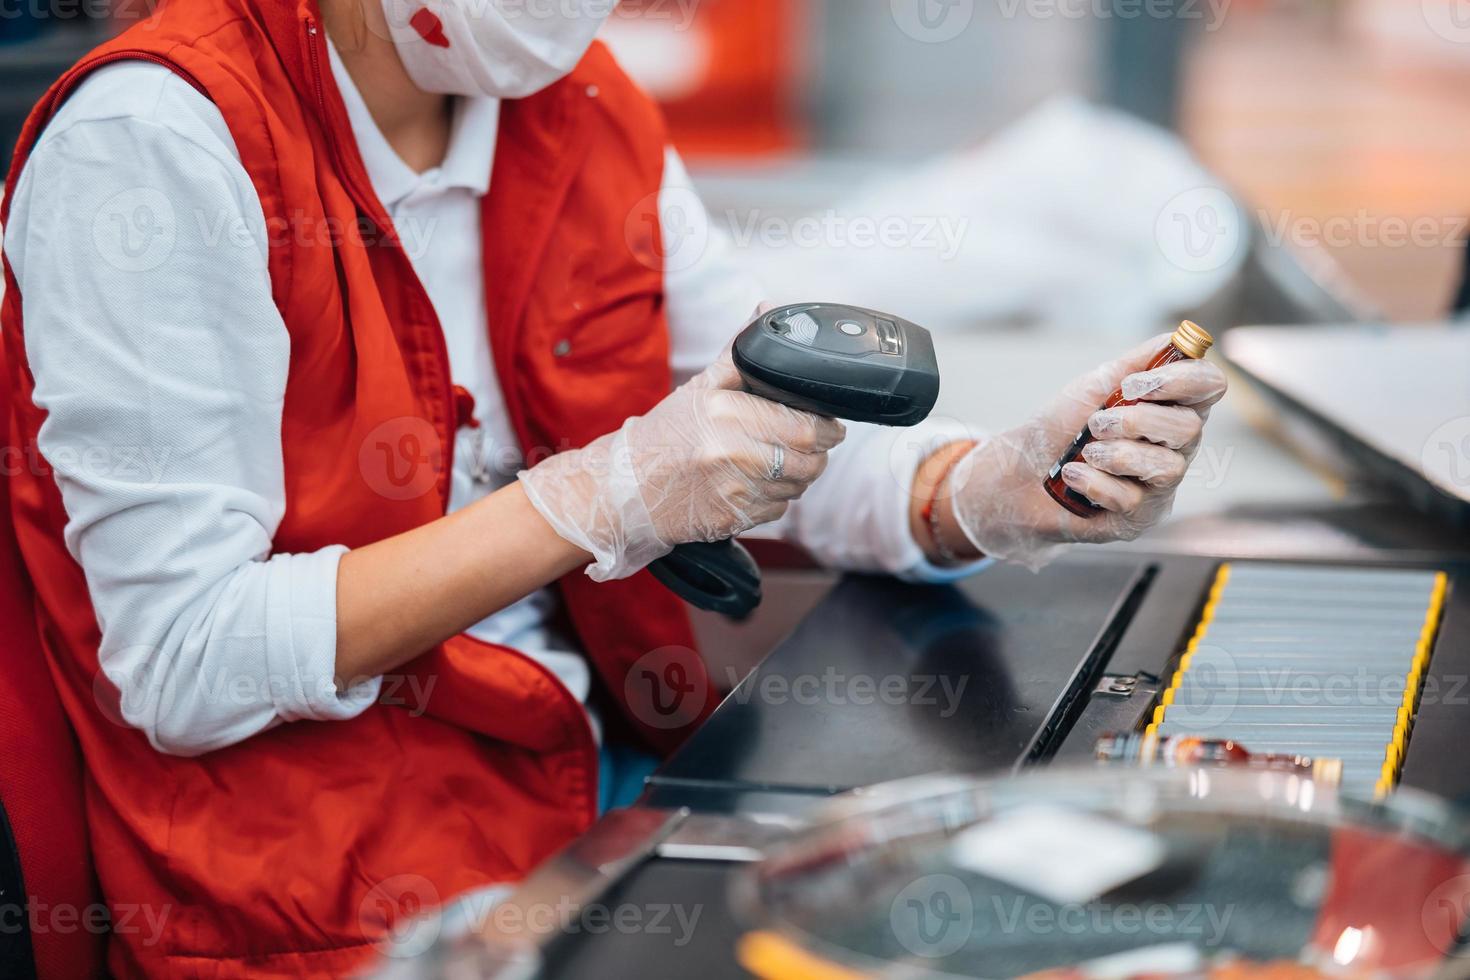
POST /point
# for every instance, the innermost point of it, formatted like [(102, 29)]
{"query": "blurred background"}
[(1331, 116), (1353, 110), (1043, 182)]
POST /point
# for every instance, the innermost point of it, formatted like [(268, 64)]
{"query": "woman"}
[(321, 406)]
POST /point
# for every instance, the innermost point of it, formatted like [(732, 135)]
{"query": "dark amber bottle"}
[(1189, 343), (1190, 751)]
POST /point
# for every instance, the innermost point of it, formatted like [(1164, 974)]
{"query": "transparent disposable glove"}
[(1132, 471), (709, 462)]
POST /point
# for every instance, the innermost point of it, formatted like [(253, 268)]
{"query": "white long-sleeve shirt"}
[(140, 247)]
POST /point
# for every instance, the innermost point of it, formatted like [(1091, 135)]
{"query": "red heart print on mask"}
[(429, 26)]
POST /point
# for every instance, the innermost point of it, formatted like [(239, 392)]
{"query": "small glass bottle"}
[(1189, 343), (1191, 750)]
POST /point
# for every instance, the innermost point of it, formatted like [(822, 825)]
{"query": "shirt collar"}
[(466, 164)]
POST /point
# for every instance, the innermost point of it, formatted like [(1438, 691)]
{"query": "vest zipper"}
[(316, 74), (441, 346)]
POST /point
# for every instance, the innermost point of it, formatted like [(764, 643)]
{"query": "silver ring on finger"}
[(778, 464)]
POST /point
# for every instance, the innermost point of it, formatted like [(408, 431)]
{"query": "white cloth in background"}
[(1073, 216)]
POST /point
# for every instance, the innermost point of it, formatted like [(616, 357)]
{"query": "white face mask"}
[(503, 48)]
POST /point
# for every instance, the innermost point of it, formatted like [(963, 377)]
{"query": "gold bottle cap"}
[(1192, 339)]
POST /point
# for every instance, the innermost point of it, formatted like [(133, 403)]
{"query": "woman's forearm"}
[(399, 597)]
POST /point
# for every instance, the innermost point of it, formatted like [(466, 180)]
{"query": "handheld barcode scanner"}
[(840, 361)]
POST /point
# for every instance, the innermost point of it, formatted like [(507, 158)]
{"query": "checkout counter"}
[(856, 681)]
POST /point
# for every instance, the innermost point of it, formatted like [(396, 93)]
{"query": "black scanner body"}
[(840, 361), (812, 357)]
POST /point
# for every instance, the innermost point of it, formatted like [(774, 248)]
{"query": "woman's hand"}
[(1132, 470), (707, 463)]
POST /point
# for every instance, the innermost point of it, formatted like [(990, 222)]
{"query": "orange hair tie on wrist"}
[(929, 511)]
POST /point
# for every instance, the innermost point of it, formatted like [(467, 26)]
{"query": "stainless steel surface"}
[(510, 944), (511, 941), (714, 837), (1400, 391)]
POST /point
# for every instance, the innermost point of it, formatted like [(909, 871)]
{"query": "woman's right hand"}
[(709, 462)]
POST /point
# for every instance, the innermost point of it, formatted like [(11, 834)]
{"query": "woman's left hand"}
[(1132, 471)]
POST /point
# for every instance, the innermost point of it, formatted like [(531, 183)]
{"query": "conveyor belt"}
[(1327, 662)]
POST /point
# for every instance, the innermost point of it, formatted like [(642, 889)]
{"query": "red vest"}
[(292, 852)]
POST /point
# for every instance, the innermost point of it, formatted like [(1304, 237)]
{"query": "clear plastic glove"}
[(708, 463), (1132, 471)]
